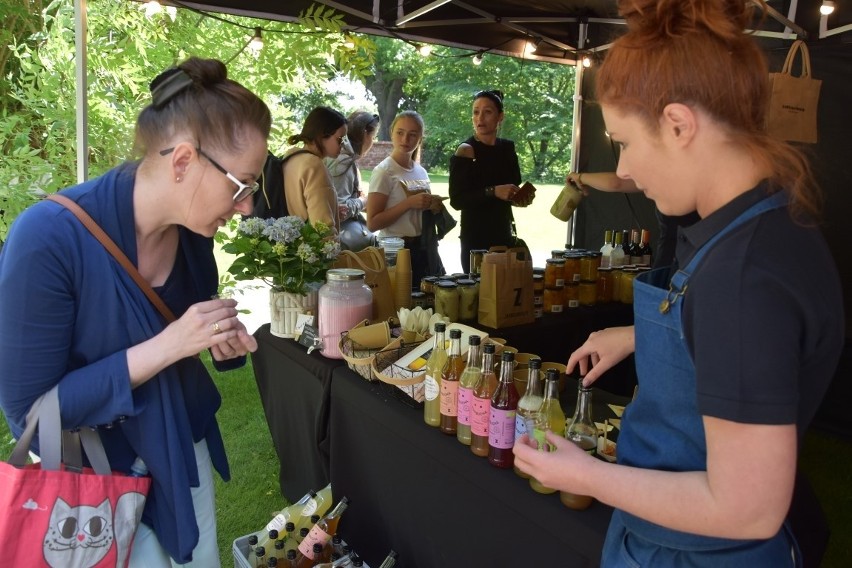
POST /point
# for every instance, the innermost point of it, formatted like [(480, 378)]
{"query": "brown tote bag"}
[(792, 112), (506, 290), (372, 261)]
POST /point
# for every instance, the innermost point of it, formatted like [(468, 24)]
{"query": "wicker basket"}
[(358, 357), (385, 369)]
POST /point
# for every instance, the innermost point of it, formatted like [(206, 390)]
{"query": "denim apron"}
[(663, 430)]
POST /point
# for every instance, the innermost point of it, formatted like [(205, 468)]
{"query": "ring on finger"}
[(216, 328)]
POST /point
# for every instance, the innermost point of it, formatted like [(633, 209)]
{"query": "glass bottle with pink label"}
[(480, 406), (450, 376), (504, 406), (466, 384)]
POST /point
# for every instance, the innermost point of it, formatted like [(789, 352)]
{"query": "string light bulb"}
[(826, 8), (530, 47), (424, 49), (587, 62), (152, 8), (256, 42), (477, 59)]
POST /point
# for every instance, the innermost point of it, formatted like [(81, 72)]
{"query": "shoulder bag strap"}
[(116, 252)]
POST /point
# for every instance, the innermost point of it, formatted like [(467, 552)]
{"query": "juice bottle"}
[(323, 530), (450, 376), (504, 406), (432, 383), (583, 432), (555, 417), (466, 384), (480, 406), (530, 402), (318, 505)]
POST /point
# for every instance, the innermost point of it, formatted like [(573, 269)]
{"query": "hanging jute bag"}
[(793, 101)]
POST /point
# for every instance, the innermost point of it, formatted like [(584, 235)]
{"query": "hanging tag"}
[(310, 338)]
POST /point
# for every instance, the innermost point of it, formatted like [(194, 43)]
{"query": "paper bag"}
[(505, 290), (792, 111), (372, 261)]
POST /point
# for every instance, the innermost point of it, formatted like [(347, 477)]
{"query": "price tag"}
[(310, 337)]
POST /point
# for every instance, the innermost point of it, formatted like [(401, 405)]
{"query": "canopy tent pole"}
[(575, 129), (80, 33)]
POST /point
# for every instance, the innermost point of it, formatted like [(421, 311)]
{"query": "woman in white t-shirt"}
[(399, 193)]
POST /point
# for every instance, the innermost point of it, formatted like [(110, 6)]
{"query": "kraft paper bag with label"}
[(372, 261), (505, 291), (793, 101)]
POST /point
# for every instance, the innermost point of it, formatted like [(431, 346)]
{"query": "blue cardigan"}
[(69, 312)]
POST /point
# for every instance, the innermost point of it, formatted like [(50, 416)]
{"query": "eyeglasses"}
[(243, 190)]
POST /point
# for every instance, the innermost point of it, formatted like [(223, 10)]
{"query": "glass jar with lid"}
[(554, 273), (588, 292), (553, 300), (572, 295), (344, 300), (447, 299), (604, 285), (589, 264), (572, 266), (468, 299), (625, 293)]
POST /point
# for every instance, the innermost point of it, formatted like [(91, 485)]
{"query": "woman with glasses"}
[(734, 351), (307, 184), (361, 128), (400, 192), (484, 178), (71, 316)]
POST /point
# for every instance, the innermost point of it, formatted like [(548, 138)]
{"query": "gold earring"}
[(178, 179)]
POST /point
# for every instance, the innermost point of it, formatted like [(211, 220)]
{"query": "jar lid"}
[(595, 254), (465, 282), (446, 284), (605, 269), (418, 295), (432, 279), (555, 261), (537, 277), (344, 274)]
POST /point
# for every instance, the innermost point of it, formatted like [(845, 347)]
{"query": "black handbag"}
[(354, 234)]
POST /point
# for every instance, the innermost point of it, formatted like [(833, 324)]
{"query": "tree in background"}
[(126, 50), (538, 103)]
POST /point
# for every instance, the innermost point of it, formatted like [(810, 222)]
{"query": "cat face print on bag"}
[(78, 536)]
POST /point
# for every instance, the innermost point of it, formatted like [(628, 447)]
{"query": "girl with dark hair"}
[(71, 316), (734, 351), (307, 184), (484, 178)]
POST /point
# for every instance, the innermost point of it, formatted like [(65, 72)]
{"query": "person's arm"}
[(602, 351), (744, 494), (320, 196), (602, 181)]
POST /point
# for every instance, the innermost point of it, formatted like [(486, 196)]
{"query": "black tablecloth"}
[(423, 494), (295, 391)]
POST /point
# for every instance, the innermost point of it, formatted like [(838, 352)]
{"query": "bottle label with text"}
[(465, 399), (501, 428), (449, 398), (430, 388), (479, 416)]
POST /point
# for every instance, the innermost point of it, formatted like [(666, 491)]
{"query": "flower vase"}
[(284, 310)]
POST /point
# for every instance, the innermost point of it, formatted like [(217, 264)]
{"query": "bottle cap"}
[(508, 356), (260, 551), (455, 334), (273, 534), (551, 375), (289, 526), (488, 348), (534, 363), (252, 540), (474, 340), (303, 532), (317, 548), (314, 519), (440, 326)]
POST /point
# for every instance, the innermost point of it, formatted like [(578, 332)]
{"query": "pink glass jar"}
[(344, 300)]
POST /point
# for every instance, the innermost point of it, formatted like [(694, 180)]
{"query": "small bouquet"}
[(287, 253)]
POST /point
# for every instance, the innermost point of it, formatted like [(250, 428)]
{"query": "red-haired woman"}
[(734, 351)]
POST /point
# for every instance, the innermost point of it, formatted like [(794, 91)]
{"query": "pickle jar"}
[(468, 299), (554, 273), (553, 300), (572, 295), (447, 299)]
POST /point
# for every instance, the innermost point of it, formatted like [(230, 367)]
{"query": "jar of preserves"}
[(557, 253), (538, 303), (572, 295), (418, 299), (572, 267), (604, 285), (427, 284), (617, 273), (553, 300), (343, 301), (625, 293), (538, 283), (468, 300), (588, 292), (554, 273), (447, 299), (589, 264)]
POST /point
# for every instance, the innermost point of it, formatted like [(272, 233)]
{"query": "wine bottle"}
[(324, 529), (583, 432), (432, 383), (616, 257), (531, 401), (504, 407), (551, 408), (645, 247), (606, 249), (480, 406), (635, 247), (466, 384), (450, 376)]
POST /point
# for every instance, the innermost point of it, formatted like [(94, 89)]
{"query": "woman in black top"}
[(484, 178)]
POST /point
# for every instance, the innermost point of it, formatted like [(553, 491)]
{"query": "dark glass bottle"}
[(504, 406)]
